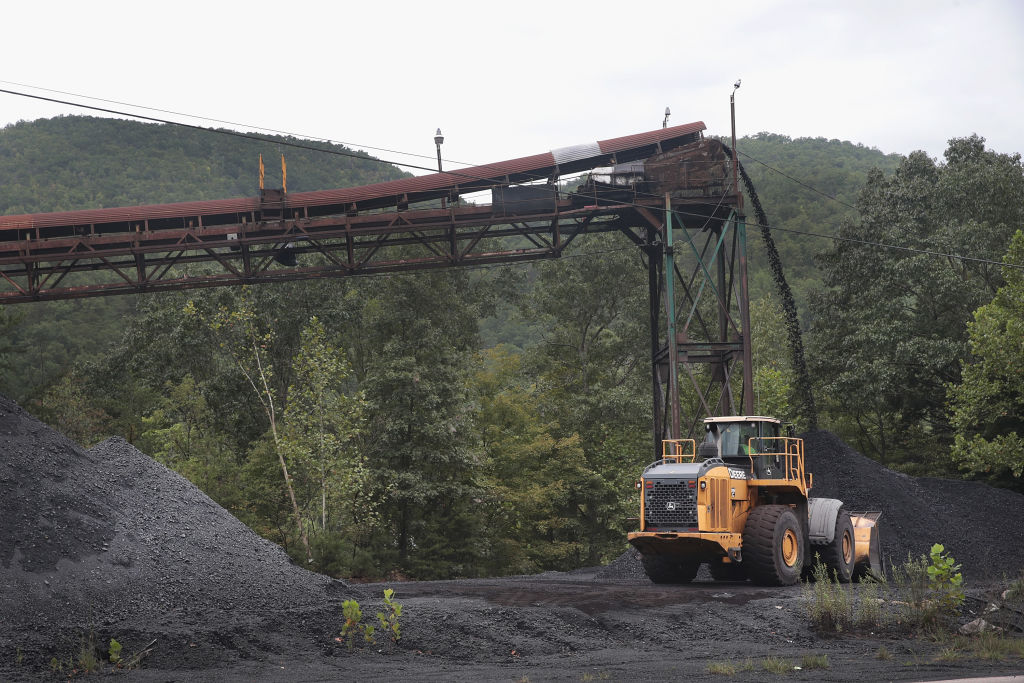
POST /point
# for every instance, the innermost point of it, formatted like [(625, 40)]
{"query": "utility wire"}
[(800, 182), (353, 145), (237, 134)]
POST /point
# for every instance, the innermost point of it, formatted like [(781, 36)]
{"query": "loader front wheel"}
[(669, 568), (839, 554), (773, 546)]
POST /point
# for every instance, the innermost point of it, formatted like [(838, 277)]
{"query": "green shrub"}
[(87, 659), (829, 605), (945, 581), (931, 590), (354, 624), (924, 593), (776, 665), (389, 618)]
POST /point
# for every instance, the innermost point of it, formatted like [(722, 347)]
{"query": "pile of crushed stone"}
[(108, 540), (981, 526)]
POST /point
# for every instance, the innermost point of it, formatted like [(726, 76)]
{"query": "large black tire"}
[(839, 555), (773, 546), (727, 571), (669, 568)]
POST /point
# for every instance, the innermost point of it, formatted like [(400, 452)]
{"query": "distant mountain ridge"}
[(82, 162)]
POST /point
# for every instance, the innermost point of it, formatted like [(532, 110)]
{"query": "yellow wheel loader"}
[(739, 503)]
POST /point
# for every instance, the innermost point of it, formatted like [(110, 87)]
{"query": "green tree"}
[(773, 370), (988, 404), (592, 378), (836, 168), (536, 481), (69, 408), (321, 422), (889, 332), (9, 321), (247, 342), (413, 352), (181, 433)]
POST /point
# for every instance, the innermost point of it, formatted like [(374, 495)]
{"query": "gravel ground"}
[(110, 543)]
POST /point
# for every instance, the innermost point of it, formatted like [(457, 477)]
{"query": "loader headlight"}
[(703, 485)]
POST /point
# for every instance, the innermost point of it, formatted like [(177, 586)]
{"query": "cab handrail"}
[(788, 448), (677, 446)]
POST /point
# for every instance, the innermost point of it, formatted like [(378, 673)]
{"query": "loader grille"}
[(670, 503)]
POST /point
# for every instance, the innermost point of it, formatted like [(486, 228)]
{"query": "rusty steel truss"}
[(670, 192)]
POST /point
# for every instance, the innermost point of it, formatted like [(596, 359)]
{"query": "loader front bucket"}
[(867, 545)]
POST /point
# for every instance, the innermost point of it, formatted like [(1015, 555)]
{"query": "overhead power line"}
[(800, 182), (354, 145)]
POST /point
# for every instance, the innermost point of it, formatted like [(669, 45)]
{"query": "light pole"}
[(438, 141), (735, 154), (668, 112)]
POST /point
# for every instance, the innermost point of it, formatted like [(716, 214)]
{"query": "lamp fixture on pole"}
[(668, 112), (438, 141)]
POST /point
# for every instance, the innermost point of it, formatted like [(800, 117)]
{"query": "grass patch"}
[(883, 654), (722, 668), (776, 665), (87, 659), (814, 662)]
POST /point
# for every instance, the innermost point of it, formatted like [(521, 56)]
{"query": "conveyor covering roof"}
[(392, 193)]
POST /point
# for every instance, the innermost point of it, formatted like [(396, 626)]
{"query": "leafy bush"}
[(924, 593), (389, 618), (354, 624), (945, 580)]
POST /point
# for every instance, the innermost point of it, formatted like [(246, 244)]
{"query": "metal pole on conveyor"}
[(670, 311)]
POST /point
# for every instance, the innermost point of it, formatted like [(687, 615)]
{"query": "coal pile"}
[(108, 540), (982, 527)]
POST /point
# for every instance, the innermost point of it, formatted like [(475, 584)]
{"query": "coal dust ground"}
[(106, 543)]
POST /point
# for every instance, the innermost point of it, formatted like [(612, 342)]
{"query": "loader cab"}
[(735, 438)]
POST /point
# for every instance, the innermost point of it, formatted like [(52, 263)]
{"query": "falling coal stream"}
[(804, 390)]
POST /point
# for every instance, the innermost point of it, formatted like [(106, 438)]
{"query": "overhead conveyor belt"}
[(385, 227), (395, 193)]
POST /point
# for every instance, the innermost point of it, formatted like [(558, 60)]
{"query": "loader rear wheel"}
[(773, 546), (727, 571), (839, 554), (669, 568)]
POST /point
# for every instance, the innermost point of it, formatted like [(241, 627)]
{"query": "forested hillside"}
[(832, 173), (462, 423)]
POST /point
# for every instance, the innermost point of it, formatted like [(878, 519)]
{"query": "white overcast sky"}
[(504, 80)]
